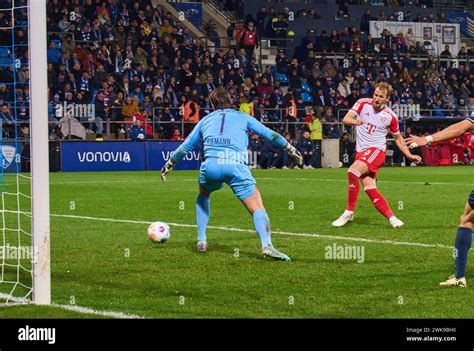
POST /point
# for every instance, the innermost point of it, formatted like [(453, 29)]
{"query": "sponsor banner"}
[(160, 152), (465, 21), (191, 11), (10, 157), (77, 156)]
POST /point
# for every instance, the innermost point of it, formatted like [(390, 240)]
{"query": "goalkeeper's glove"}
[(294, 153), (168, 167)]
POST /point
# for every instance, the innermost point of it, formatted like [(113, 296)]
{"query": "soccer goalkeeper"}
[(224, 133), (463, 240)]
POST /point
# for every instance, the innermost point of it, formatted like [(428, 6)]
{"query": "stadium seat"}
[(4, 52), (5, 61), (283, 78), (57, 42), (307, 98), (306, 88)]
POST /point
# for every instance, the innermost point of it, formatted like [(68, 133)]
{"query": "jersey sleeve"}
[(258, 128), (393, 127), (189, 144), (357, 108)]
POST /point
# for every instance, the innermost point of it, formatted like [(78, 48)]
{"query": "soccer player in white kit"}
[(373, 120)]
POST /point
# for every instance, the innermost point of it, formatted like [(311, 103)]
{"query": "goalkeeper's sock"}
[(379, 201), (353, 190), (203, 211), (462, 245), (261, 223)]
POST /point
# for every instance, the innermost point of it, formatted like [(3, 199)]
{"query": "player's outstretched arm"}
[(451, 132), (279, 141), (404, 149), (350, 119), (189, 144)]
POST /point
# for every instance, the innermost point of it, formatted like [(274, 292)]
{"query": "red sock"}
[(379, 202), (353, 190)]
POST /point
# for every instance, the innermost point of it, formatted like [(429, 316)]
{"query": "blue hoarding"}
[(160, 152), (465, 20), (93, 156), (192, 11), (77, 156)]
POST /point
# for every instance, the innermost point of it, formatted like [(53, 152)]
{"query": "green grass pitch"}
[(112, 266)]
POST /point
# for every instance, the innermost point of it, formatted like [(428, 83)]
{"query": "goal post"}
[(25, 266), (39, 152)]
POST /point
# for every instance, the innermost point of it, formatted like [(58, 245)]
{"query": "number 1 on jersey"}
[(222, 124)]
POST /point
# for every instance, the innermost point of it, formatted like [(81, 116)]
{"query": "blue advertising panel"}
[(78, 156), (160, 152), (10, 157), (191, 10), (465, 20), (83, 156)]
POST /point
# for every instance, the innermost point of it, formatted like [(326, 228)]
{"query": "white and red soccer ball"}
[(158, 232)]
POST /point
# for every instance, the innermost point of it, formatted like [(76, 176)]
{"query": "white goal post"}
[(39, 152)]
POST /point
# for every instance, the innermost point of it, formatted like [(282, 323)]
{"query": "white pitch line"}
[(310, 235), (132, 181), (378, 181), (84, 310)]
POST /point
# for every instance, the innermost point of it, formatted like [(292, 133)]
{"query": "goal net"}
[(24, 179)]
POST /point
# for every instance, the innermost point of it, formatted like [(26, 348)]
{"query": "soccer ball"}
[(158, 232)]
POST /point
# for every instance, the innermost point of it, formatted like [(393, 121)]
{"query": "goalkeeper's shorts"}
[(213, 175)]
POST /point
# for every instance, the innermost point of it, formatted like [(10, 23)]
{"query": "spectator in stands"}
[(262, 14), (291, 113), (177, 136), (365, 21), (344, 88), (316, 129), (280, 28), (284, 161), (249, 40), (100, 115), (246, 106), (462, 54), (137, 132), (346, 150), (254, 151), (8, 122), (307, 148), (269, 155)]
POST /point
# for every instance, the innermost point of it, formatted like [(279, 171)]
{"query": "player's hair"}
[(220, 98), (384, 86)]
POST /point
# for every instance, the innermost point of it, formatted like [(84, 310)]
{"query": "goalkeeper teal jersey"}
[(224, 134)]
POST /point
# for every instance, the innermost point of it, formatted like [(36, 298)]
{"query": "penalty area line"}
[(231, 229)]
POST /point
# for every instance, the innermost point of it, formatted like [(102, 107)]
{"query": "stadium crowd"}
[(138, 65)]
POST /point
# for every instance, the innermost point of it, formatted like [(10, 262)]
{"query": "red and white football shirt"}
[(373, 133)]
